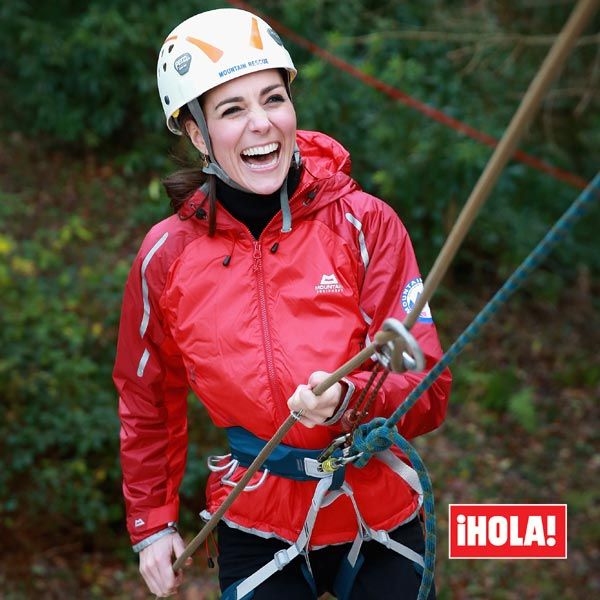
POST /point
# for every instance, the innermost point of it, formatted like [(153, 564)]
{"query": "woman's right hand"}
[(156, 565)]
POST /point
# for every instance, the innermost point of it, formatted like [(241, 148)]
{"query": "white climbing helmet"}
[(211, 48)]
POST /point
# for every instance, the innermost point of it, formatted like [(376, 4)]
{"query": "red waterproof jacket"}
[(244, 331)]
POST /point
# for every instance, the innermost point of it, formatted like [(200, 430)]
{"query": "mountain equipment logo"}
[(139, 522), (329, 285), (410, 295)]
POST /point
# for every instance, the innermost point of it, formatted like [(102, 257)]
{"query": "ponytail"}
[(182, 184), (185, 182)]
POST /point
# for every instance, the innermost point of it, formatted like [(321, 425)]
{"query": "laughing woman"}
[(275, 269)]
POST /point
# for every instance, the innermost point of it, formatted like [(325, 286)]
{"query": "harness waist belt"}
[(286, 461)]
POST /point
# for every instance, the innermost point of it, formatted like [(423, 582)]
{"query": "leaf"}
[(522, 408)]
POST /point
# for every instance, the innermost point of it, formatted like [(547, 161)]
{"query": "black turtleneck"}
[(255, 210)]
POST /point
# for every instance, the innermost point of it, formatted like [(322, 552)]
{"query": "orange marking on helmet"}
[(255, 39), (169, 39), (213, 53)]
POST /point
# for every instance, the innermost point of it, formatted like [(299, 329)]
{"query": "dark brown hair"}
[(181, 184)]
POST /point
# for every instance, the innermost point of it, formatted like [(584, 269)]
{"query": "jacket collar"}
[(326, 167)]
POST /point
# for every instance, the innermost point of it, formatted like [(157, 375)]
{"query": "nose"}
[(259, 120)]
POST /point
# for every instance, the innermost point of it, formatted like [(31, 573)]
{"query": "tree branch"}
[(462, 38)]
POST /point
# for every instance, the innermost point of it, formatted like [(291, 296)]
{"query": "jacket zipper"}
[(260, 280), (264, 317)]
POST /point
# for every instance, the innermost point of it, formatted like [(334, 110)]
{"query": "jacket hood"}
[(322, 156)]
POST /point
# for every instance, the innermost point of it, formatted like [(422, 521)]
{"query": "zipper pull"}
[(257, 255)]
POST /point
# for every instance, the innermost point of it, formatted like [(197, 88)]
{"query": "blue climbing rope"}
[(379, 434)]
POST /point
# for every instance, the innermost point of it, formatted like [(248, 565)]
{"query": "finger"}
[(164, 577), (167, 580), (294, 402), (316, 378), (308, 399), (150, 580), (179, 548), (331, 398), (318, 418), (149, 568), (307, 422), (177, 581)]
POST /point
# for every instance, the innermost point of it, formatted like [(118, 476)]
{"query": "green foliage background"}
[(84, 146)]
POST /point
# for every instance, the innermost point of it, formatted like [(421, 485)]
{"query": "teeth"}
[(258, 150)]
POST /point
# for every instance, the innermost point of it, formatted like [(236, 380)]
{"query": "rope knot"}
[(370, 438)]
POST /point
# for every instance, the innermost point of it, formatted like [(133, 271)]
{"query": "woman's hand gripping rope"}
[(312, 409), (156, 568)]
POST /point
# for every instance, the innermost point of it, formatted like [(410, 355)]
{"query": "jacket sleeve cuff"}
[(343, 405), (171, 528), (141, 524)]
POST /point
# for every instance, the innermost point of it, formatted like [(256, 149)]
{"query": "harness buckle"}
[(281, 558)]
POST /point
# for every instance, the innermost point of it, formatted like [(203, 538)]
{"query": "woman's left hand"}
[(315, 409)]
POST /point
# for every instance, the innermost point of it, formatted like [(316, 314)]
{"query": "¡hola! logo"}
[(507, 530)]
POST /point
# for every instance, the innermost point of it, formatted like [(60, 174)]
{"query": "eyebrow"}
[(264, 91)]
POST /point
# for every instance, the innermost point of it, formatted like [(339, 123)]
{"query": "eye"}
[(230, 111), (275, 98)]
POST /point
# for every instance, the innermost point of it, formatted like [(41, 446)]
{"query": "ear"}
[(194, 134)]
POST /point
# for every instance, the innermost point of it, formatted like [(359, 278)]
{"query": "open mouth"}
[(261, 157)]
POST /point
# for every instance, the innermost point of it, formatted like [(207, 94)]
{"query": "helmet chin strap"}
[(213, 167)]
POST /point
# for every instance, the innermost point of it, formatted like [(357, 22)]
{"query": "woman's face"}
[(252, 127)]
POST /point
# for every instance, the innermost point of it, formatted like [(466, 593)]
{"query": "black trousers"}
[(384, 575)]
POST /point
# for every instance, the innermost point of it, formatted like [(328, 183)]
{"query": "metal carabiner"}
[(333, 463), (410, 358), (329, 463), (250, 487), (212, 462), (337, 443)]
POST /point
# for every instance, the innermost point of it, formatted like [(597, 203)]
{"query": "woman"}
[(275, 270)]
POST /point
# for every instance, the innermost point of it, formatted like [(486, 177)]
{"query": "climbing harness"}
[(328, 468), (376, 437)]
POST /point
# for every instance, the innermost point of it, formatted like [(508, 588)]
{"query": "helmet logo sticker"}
[(182, 63), (251, 63), (211, 51), (275, 36), (255, 39)]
